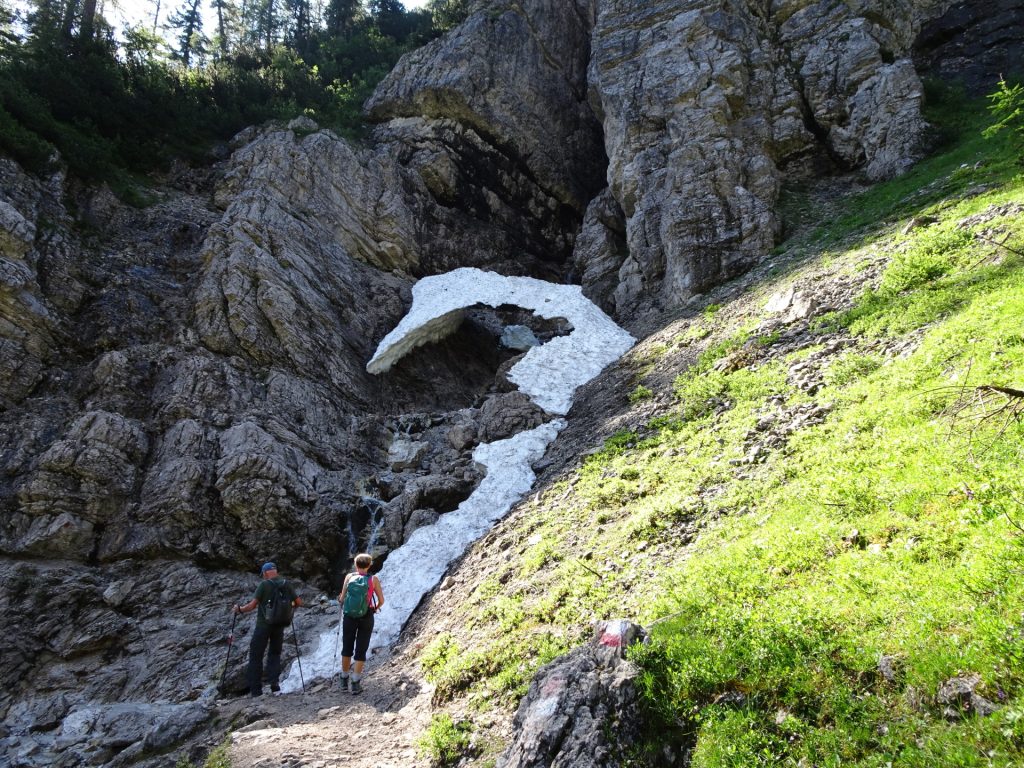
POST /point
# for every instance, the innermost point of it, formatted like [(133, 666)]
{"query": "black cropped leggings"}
[(356, 632)]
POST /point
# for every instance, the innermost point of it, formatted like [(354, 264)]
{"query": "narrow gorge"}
[(312, 346)]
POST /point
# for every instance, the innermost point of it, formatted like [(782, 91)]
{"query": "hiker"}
[(276, 598), (361, 596)]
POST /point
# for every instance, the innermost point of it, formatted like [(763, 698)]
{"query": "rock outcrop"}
[(973, 43), (582, 710), (706, 107), (493, 120)]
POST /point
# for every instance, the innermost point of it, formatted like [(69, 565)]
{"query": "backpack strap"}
[(371, 594)]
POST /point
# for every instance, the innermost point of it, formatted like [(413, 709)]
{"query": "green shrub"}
[(445, 741), (849, 368), (699, 394), (932, 254), (25, 146), (640, 393)]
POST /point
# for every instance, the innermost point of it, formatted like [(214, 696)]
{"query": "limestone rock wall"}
[(182, 386), (707, 106), (493, 123), (974, 43)]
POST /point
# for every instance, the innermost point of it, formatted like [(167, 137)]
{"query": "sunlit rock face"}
[(707, 107), (502, 148)]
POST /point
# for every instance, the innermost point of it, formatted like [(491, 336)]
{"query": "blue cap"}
[(267, 567)]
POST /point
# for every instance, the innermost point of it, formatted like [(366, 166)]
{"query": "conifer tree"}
[(227, 25), (262, 22), (300, 27), (389, 16), (156, 15), (342, 16), (6, 24), (88, 20), (189, 20), (49, 23), (67, 23)]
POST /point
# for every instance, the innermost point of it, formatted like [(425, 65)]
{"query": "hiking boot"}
[(275, 689), (357, 687), (343, 683)]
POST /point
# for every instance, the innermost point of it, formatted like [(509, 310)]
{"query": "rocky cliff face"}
[(182, 386)]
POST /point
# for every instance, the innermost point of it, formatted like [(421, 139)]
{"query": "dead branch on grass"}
[(999, 243), (985, 405)]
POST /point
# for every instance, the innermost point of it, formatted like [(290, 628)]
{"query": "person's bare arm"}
[(250, 606), (378, 590)]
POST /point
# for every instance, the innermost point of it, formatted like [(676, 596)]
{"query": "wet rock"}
[(420, 518), (432, 495), (406, 454), (519, 338)]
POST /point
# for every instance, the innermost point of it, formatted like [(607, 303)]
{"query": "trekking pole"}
[(337, 640), (231, 642), (298, 658)]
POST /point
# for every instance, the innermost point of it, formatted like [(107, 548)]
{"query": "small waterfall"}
[(365, 522), (353, 541), (376, 526)]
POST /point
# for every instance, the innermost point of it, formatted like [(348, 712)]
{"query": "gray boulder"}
[(506, 414), (581, 710)]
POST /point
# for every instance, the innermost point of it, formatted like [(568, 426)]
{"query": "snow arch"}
[(549, 374)]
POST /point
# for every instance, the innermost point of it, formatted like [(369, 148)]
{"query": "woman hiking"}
[(361, 596)]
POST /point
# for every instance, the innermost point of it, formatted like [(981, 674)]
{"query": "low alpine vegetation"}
[(825, 531)]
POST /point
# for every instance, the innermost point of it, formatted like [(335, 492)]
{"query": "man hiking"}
[(361, 596), (276, 600)]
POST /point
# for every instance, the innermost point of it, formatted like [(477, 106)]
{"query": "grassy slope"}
[(887, 529)]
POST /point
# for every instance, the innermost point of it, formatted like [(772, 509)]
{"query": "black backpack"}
[(278, 608)]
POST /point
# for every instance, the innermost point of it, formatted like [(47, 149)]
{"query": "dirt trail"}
[(327, 727)]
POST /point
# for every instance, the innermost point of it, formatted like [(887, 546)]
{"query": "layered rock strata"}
[(182, 386), (708, 106)]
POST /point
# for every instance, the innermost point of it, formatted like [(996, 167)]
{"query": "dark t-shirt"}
[(265, 590)]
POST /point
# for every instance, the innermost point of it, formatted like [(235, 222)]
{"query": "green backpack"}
[(357, 596)]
